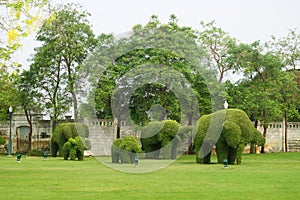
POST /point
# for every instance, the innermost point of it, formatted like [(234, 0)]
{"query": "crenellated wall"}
[(275, 138)]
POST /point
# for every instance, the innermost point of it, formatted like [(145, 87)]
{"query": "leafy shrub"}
[(63, 132), (157, 136), (124, 149), (73, 149), (2, 140)]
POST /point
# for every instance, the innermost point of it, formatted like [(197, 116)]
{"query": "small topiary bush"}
[(73, 149), (125, 149), (63, 132), (160, 137)]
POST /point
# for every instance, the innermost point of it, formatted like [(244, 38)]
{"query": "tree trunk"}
[(264, 134), (253, 145), (75, 105), (118, 128), (286, 130), (118, 131), (190, 142), (29, 120)]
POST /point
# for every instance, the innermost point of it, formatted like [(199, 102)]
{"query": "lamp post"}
[(10, 110)]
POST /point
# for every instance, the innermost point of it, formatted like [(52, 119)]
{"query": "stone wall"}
[(275, 137), (103, 133)]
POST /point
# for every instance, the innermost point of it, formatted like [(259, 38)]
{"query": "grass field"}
[(268, 176)]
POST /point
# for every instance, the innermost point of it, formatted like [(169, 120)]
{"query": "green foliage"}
[(2, 140), (73, 149), (8, 95), (18, 19), (125, 149), (66, 41), (63, 132), (218, 45), (157, 136), (236, 130), (119, 57), (232, 133)]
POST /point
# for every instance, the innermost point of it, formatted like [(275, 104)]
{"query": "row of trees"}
[(203, 58)]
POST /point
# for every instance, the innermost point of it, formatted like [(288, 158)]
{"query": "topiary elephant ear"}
[(232, 133)]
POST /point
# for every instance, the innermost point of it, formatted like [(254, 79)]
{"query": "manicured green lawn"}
[(269, 176)]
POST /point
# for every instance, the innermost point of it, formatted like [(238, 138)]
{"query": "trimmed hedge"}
[(160, 137), (125, 149), (63, 132), (236, 131)]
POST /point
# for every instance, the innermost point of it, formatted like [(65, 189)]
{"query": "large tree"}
[(17, 20), (142, 58), (70, 38), (29, 100), (287, 48), (266, 92), (217, 43)]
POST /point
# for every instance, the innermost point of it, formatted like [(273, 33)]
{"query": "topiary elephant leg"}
[(232, 155), (204, 154), (239, 153), (115, 154), (222, 150), (54, 149)]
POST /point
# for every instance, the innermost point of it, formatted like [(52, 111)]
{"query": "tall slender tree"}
[(70, 36)]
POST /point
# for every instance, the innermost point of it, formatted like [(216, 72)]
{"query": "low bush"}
[(125, 149)]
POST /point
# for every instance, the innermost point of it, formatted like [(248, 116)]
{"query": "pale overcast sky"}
[(245, 20)]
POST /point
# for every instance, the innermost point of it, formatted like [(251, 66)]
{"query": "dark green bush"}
[(236, 131), (160, 136), (73, 149), (125, 149), (2, 140), (63, 132)]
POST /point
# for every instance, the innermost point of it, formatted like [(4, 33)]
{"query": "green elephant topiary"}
[(63, 132), (160, 137), (125, 149), (230, 130), (73, 149)]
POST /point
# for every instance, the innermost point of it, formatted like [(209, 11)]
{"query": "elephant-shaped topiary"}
[(125, 149), (160, 137), (73, 149), (230, 130), (63, 132)]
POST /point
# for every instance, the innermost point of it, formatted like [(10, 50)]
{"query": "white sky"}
[(245, 20)]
